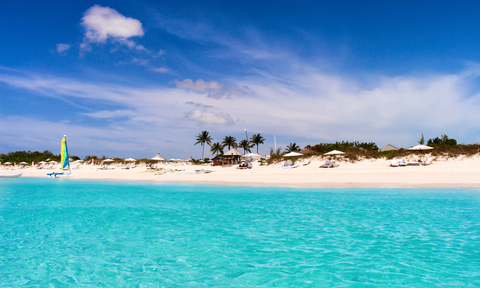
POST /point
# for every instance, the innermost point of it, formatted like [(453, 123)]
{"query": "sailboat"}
[(64, 163)]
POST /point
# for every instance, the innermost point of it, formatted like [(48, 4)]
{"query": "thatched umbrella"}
[(420, 148)]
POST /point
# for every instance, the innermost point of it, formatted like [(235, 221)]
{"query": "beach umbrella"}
[(334, 152), (420, 148), (53, 161), (42, 162), (130, 160), (7, 163), (252, 155), (292, 154), (108, 160), (158, 157), (23, 163)]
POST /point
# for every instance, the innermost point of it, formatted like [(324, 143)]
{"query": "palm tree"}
[(203, 138), (245, 145), (292, 147), (229, 141), (257, 139), (216, 148)]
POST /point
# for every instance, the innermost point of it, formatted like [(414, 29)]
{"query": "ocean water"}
[(68, 233)]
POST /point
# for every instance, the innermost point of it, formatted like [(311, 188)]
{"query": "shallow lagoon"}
[(65, 232)]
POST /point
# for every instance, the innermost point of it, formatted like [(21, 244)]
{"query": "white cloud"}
[(102, 23), (312, 105), (210, 117), (161, 70), (62, 47), (141, 48), (106, 114), (199, 85), (214, 89)]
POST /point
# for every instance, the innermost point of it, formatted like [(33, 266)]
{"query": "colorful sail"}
[(65, 163)]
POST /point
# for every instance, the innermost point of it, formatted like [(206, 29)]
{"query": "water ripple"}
[(85, 233)]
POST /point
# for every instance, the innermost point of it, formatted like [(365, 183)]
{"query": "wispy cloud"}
[(312, 105), (62, 47), (161, 70), (206, 117), (214, 89)]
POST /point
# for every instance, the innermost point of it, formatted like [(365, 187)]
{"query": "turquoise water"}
[(63, 233)]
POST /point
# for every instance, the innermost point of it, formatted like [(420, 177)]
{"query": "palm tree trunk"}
[(203, 149)]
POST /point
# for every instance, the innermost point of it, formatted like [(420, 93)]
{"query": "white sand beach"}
[(458, 172)]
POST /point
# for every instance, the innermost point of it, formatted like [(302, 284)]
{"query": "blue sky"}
[(131, 79)]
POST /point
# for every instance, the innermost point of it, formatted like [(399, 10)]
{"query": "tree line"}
[(29, 156), (228, 141)]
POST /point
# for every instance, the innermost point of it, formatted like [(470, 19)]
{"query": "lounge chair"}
[(306, 163), (126, 167), (295, 165), (402, 162), (329, 164), (394, 163), (428, 162), (287, 164)]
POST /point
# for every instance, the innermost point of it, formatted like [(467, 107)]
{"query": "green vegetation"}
[(229, 141), (29, 156), (257, 139), (203, 138), (246, 145), (442, 141), (343, 146), (216, 148), (422, 140), (292, 147)]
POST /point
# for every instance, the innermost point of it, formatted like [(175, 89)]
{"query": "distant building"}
[(387, 147)]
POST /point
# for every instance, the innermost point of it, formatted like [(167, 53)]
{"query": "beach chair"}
[(295, 165), (428, 162), (126, 167), (402, 162), (394, 163), (306, 162), (287, 164), (327, 164)]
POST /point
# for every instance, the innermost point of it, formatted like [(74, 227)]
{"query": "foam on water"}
[(63, 232)]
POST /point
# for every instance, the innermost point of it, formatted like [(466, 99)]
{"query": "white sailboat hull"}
[(16, 175)]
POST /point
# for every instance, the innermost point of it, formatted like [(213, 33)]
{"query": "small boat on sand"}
[(16, 175)]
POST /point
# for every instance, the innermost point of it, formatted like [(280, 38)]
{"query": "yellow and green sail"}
[(65, 163)]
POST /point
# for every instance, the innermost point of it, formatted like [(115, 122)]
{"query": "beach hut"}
[(234, 153), (307, 151), (388, 147)]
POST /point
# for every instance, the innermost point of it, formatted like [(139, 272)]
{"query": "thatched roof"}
[(307, 151), (158, 157), (387, 147), (232, 152)]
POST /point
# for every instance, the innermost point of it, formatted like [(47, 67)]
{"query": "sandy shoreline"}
[(459, 172)]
